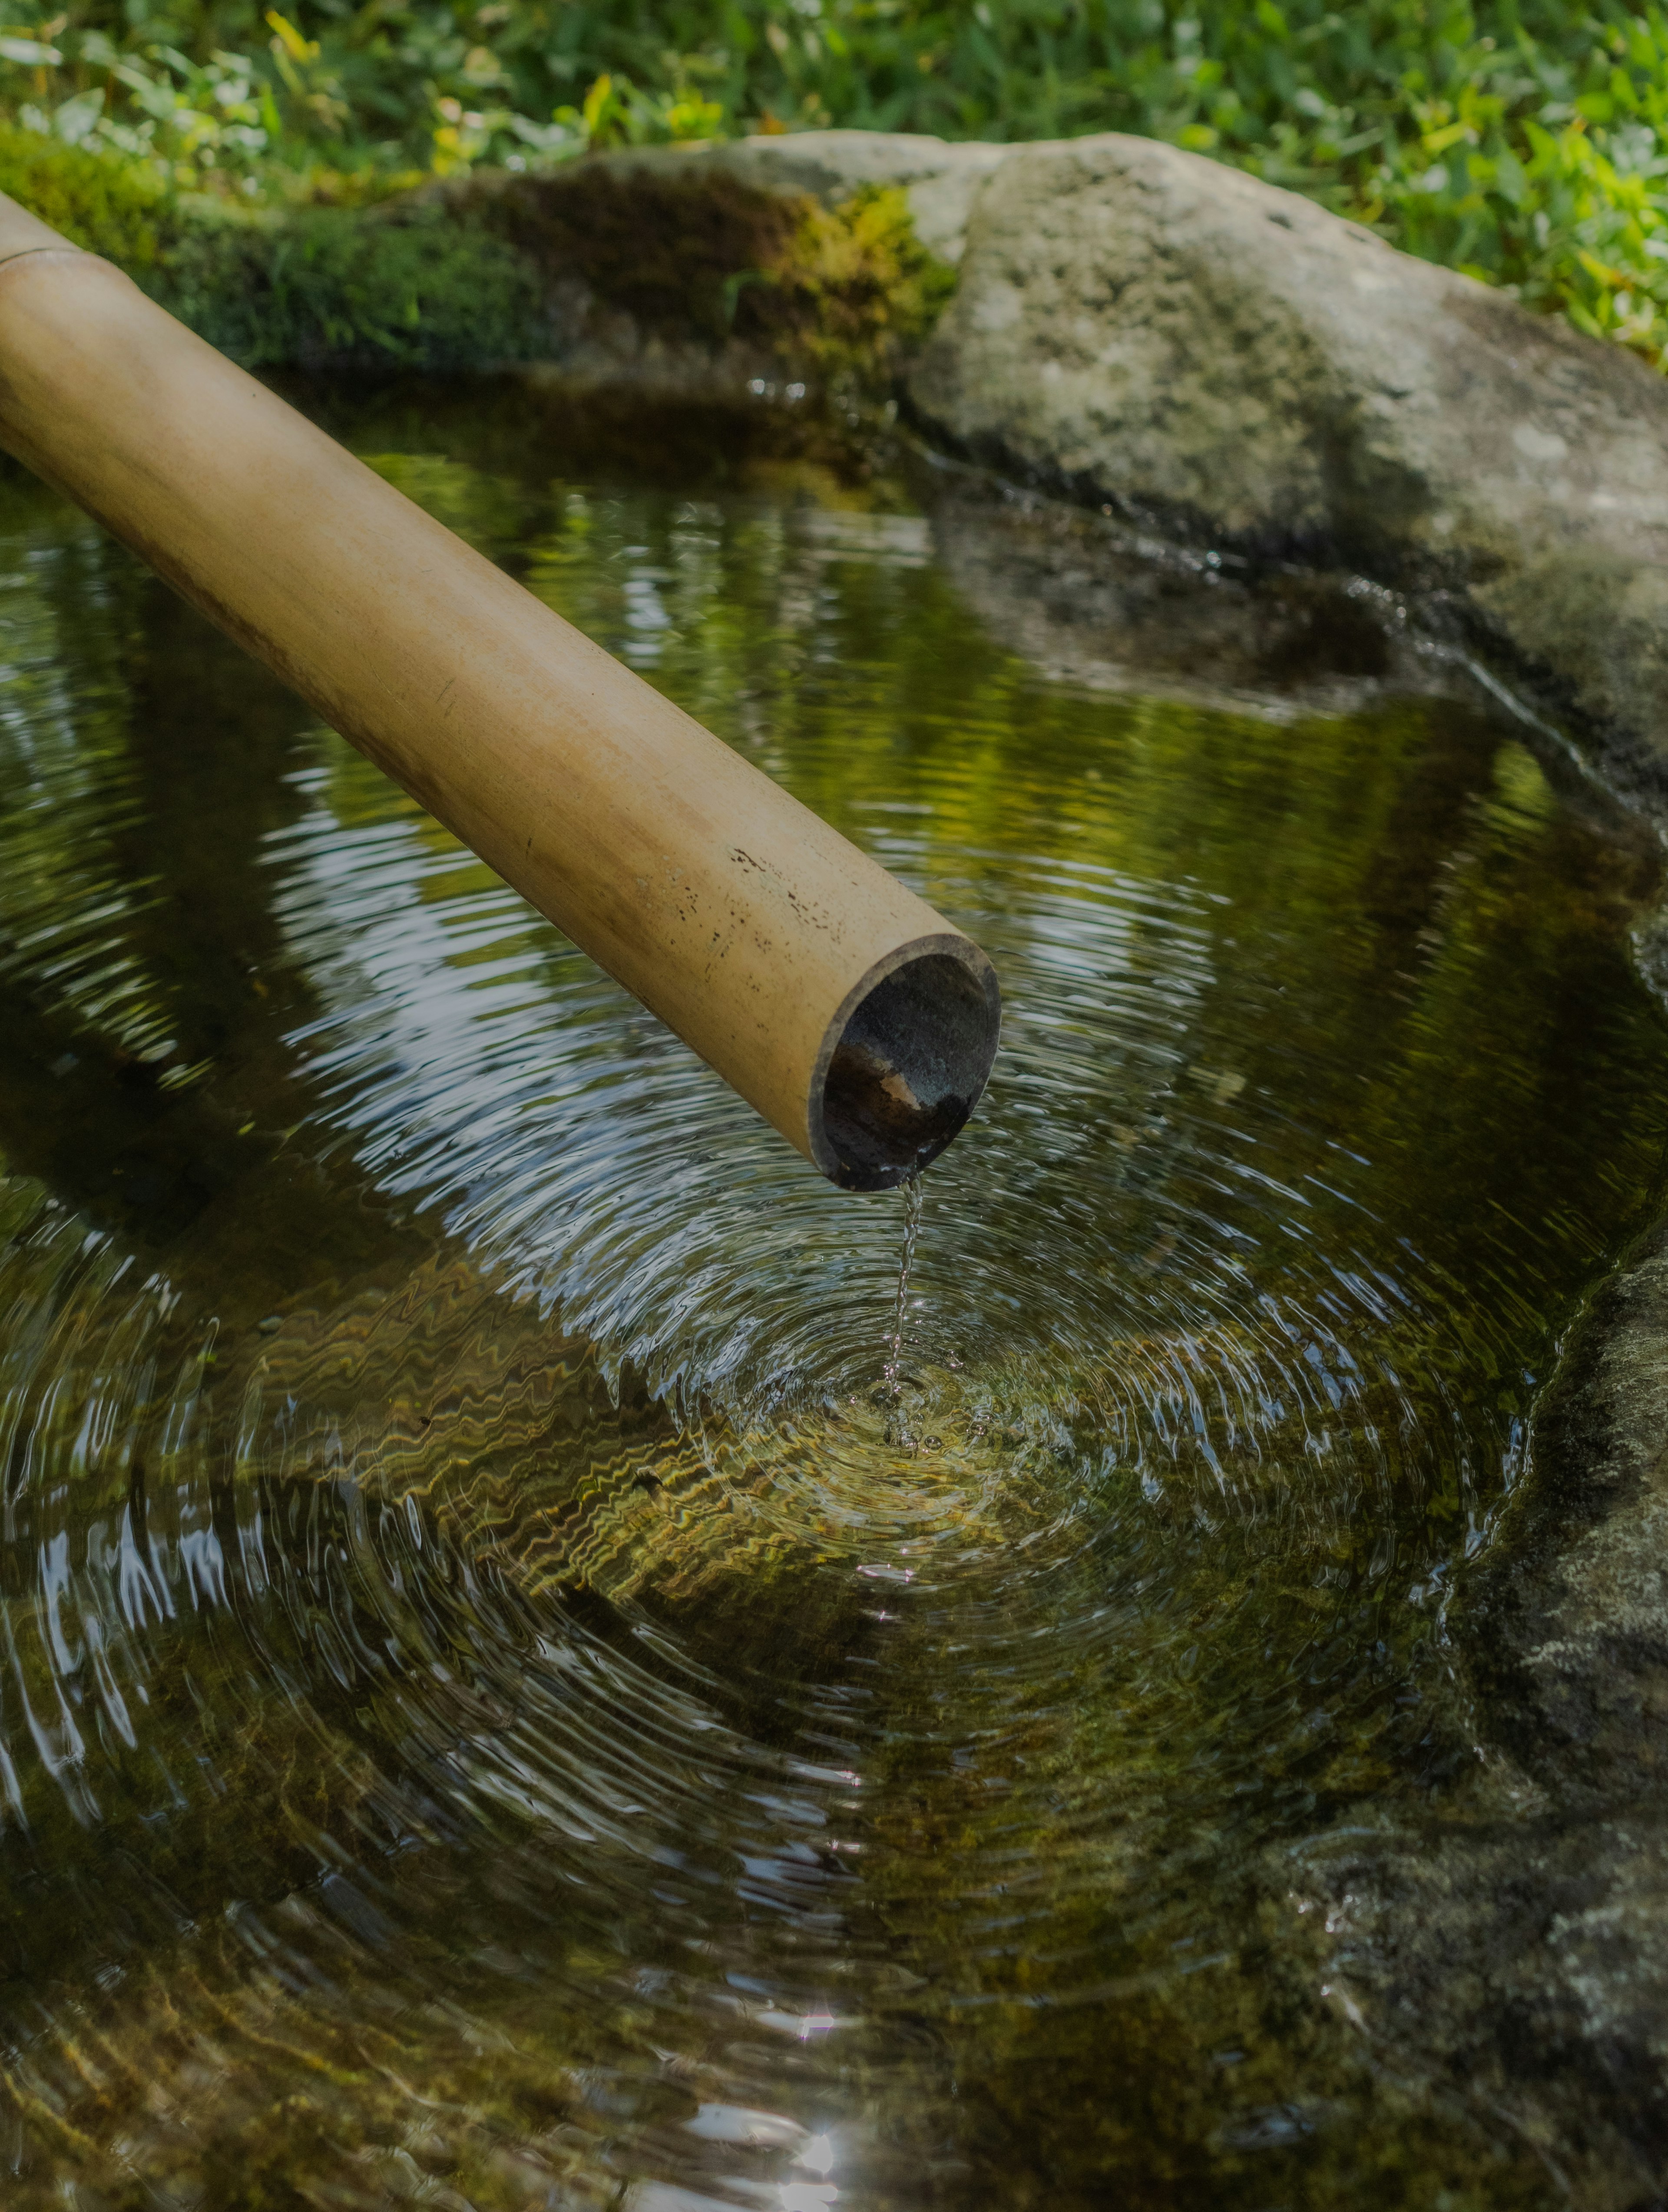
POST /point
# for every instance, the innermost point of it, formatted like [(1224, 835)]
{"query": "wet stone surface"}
[(532, 1675)]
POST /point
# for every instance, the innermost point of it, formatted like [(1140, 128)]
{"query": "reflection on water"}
[(532, 1676)]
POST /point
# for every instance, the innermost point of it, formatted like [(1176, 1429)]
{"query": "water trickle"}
[(534, 1644), (893, 1374)]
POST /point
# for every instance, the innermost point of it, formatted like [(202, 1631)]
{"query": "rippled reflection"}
[(504, 1699)]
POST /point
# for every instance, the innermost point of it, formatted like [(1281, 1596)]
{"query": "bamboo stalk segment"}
[(855, 1019)]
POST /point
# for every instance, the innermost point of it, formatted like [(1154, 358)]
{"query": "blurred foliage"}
[(109, 207), (1521, 140)]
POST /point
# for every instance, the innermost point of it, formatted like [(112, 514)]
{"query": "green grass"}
[(1526, 140)]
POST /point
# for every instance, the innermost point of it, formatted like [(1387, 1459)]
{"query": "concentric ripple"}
[(532, 1675)]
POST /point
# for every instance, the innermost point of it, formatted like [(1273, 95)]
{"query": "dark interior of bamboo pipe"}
[(908, 1069)]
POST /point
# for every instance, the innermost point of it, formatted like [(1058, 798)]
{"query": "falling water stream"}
[(893, 1373), (548, 1658)]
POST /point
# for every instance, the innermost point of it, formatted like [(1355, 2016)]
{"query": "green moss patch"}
[(410, 288), (839, 292)]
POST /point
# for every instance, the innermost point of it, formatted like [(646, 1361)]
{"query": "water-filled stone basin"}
[(530, 1674)]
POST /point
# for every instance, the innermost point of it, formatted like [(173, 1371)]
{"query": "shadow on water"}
[(529, 1678)]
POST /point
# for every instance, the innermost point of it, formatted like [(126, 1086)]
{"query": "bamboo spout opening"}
[(906, 1058)]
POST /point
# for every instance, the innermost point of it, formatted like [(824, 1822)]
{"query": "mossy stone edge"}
[(682, 281)]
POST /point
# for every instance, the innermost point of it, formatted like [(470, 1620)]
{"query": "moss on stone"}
[(330, 287), (473, 278), (872, 289), (838, 293)]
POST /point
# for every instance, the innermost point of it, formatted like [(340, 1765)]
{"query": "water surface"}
[(528, 1679)]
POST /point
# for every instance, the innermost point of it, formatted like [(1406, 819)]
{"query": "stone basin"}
[(1196, 450)]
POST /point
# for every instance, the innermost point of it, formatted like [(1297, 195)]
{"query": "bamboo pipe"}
[(854, 1017)]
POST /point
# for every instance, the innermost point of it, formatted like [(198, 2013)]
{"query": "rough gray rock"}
[(1511, 1935), (1569, 1629), (1518, 1961), (1228, 362)]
